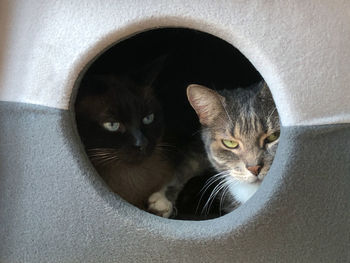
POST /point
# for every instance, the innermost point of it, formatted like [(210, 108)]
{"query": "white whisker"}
[(268, 117), (213, 194), (210, 182), (227, 187)]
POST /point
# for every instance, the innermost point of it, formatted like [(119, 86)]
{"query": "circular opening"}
[(178, 123)]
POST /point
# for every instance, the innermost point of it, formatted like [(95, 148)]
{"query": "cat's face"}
[(240, 129), (119, 116)]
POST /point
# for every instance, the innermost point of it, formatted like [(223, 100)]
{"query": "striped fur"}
[(247, 116)]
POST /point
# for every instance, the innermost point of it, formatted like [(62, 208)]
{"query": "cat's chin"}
[(252, 180), (249, 179), (242, 191)]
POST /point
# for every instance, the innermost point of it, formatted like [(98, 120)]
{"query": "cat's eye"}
[(272, 137), (148, 119), (231, 144), (111, 126)]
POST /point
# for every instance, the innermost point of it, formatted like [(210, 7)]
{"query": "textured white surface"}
[(300, 47)]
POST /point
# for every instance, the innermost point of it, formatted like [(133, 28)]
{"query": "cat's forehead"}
[(246, 125), (248, 114), (127, 103)]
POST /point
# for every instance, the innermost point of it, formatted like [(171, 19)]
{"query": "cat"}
[(239, 136), (240, 131), (120, 122)]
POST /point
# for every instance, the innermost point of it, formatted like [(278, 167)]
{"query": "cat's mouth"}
[(253, 179), (138, 157), (104, 156), (261, 177), (248, 177)]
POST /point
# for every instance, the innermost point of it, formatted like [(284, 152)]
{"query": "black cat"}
[(120, 123)]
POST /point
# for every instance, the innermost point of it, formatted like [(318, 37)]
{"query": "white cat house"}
[(53, 208)]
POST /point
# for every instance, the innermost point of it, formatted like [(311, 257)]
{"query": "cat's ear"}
[(207, 103), (264, 91), (149, 72), (93, 84), (267, 102)]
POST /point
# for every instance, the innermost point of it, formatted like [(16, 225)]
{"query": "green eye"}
[(148, 119), (230, 144), (272, 137), (111, 126)]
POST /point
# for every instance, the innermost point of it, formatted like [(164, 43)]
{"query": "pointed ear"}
[(93, 84), (264, 90), (149, 72), (207, 103)]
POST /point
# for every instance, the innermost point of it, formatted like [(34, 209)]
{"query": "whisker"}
[(222, 188), (101, 150), (166, 145), (163, 148), (103, 156), (212, 196), (228, 115), (268, 117), (107, 160), (210, 182), (213, 179), (223, 196), (98, 156), (204, 190), (196, 132)]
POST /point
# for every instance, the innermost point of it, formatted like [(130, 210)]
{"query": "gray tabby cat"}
[(240, 132)]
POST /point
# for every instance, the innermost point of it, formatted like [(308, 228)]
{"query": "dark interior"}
[(190, 57)]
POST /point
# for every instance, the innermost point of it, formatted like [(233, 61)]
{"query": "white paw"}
[(158, 204)]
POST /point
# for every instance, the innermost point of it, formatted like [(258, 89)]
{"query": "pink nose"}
[(254, 169)]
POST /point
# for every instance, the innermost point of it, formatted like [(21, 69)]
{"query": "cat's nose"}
[(141, 141), (254, 169), (141, 144)]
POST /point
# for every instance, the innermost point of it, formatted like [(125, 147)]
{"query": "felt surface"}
[(54, 208), (301, 48)]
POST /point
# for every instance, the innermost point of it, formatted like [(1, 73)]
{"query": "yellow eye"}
[(230, 144), (272, 137)]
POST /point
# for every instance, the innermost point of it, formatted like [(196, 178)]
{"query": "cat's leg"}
[(192, 166), (159, 204), (163, 202)]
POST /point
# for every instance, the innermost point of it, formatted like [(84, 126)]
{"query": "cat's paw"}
[(159, 205)]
